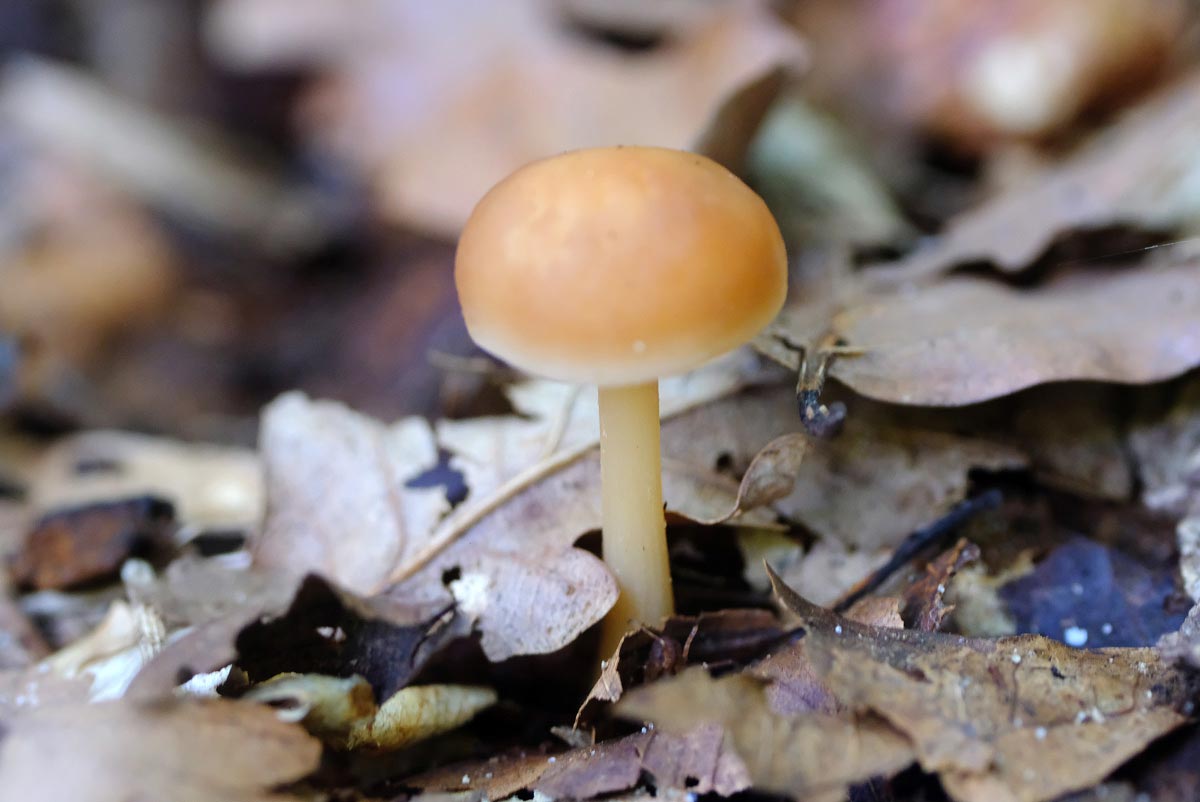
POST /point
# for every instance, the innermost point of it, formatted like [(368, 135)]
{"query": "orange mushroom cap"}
[(619, 265)]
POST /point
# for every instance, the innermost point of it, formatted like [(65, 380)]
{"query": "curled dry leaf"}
[(214, 751), (342, 711), (1022, 718), (964, 340), (924, 605), (1141, 172), (437, 105), (810, 756)]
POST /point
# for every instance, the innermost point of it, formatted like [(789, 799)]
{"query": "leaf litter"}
[(419, 594)]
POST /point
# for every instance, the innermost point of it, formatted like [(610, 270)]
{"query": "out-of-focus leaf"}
[(90, 543), (816, 184), (214, 751), (210, 487), (1166, 449), (433, 127), (155, 158), (1141, 172), (979, 73)]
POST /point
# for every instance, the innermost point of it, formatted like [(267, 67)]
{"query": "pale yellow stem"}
[(634, 537)]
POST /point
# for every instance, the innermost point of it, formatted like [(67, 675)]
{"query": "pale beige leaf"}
[(338, 503)]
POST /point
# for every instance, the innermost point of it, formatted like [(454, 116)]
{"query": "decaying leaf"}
[(327, 630), (964, 340), (1022, 718), (89, 543), (214, 751), (434, 128), (1085, 593), (810, 756), (1166, 449), (343, 713)]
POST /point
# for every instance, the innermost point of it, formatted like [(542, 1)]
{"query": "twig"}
[(915, 543)]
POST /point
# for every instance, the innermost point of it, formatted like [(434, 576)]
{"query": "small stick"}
[(914, 544)]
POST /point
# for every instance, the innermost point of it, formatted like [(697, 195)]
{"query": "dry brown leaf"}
[(342, 711), (435, 105), (810, 756), (214, 751), (1140, 172), (1023, 718), (924, 607), (964, 340), (874, 484)]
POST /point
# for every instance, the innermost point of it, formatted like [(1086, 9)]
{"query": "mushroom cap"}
[(619, 265)]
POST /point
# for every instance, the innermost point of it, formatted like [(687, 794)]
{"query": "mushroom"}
[(617, 266)]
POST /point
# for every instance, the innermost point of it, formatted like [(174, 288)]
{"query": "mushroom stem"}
[(634, 535)]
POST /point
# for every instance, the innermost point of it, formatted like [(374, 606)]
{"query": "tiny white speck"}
[(639, 347), (1040, 733), (1106, 629), (650, 725), (941, 588), (1097, 716), (487, 776), (691, 797), (1016, 658), (603, 663), (1077, 588), (593, 753), (838, 629), (1149, 694), (1075, 636), (466, 779), (553, 760), (1081, 717), (643, 730)]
